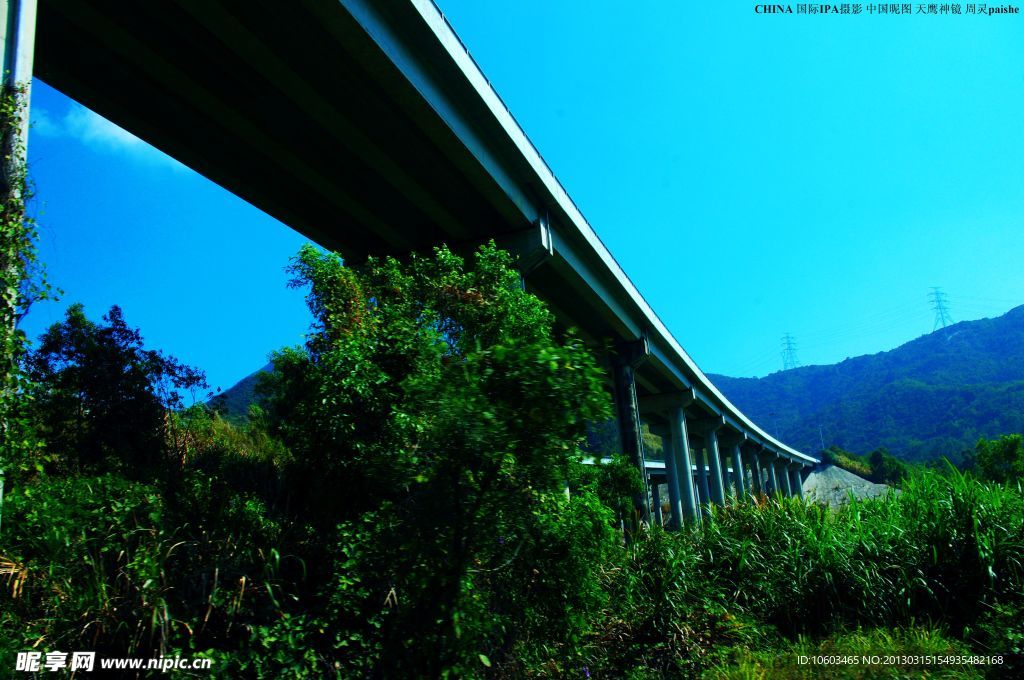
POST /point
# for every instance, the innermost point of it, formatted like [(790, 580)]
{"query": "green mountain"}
[(933, 396), (233, 403)]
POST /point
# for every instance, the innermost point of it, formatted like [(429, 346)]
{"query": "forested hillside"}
[(932, 396)]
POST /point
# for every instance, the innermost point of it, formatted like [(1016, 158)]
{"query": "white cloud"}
[(97, 133)]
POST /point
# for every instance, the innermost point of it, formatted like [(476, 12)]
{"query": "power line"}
[(991, 300), (755, 365), (940, 304), (906, 315), (853, 324), (789, 359)]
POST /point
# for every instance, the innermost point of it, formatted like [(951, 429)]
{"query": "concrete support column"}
[(737, 471), (796, 480), (772, 482), (755, 474), (703, 489), (782, 472), (684, 501), (672, 478), (656, 504), (715, 465), (628, 356), (726, 474), (17, 49), (679, 439), (17, 46)]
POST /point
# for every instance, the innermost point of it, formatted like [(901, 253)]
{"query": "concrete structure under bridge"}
[(367, 126)]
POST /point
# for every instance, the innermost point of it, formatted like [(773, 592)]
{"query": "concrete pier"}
[(656, 503), (782, 474), (796, 480), (737, 471), (684, 466), (768, 460), (757, 486), (675, 504), (628, 356), (714, 464)]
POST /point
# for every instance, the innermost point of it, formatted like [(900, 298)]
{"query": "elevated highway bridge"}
[(367, 126)]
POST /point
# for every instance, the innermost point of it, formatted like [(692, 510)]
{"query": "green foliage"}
[(17, 245), (415, 523), (858, 465), (1001, 460), (100, 396), (653, 448), (669, 620), (434, 401), (887, 469), (614, 482), (878, 466), (22, 281), (395, 506), (200, 437), (86, 558), (201, 564)]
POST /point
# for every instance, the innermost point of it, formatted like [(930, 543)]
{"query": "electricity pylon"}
[(789, 359), (940, 303)]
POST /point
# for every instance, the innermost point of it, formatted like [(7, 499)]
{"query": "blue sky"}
[(198, 270), (754, 175)]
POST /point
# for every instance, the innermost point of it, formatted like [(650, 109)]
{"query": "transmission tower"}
[(940, 303), (789, 359)]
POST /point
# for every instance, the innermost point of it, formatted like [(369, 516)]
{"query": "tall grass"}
[(190, 562), (212, 562), (90, 565), (859, 645), (941, 550), (947, 553)]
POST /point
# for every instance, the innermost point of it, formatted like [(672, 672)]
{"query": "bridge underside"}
[(289, 105), (366, 126)]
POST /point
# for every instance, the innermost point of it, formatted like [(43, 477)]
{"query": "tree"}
[(886, 468), (439, 417), (100, 396), (1000, 460)]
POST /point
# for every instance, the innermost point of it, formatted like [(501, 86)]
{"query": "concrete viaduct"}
[(367, 126)]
